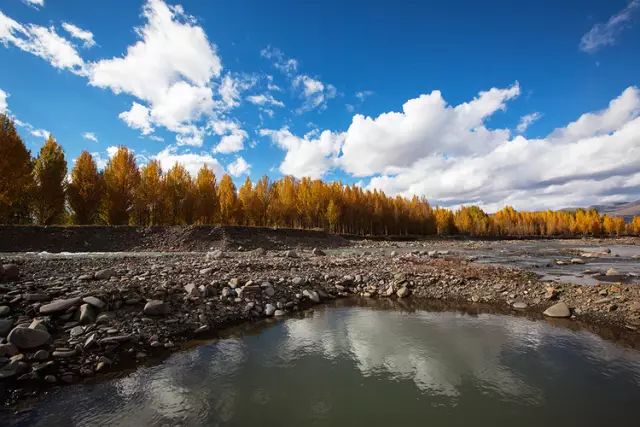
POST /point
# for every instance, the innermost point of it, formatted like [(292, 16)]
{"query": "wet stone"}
[(27, 338)]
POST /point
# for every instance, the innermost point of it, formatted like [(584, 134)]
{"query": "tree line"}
[(40, 190)]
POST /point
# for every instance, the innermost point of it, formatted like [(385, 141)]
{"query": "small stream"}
[(357, 365)]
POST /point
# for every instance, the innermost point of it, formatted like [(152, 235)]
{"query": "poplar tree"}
[(49, 173), (16, 180), (178, 188), (206, 197), (85, 191), (121, 178), (228, 200), (150, 203)]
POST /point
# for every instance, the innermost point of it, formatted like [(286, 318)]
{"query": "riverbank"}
[(71, 318)]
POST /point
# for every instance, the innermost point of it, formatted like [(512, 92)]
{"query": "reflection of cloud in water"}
[(434, 350)]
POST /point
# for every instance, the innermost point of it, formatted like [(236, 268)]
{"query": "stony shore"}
[(66, 319)]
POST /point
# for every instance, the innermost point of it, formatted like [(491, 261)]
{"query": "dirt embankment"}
[(180, 238)]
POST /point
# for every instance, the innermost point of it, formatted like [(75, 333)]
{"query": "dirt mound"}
[(180, 238)]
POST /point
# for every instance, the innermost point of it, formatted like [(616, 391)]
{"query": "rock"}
[(519, 305), (87, 314), (318, 252), (312, 295), (279, 313), (12, 369), (85, 277), (156, 308), (58, 306), (105, 274), (38, 324), (115, 339), (96, 302), (217, 254), (36, 297), (41, 355), (206, 271), (551, 293), (50, 379), (5, 327), (269, 309), (63, 354), (10, 273), (297, 281), (389, 291), (104, 318), (269, 291), (403, 292), (290, 254), (577, 261), (612, 272), (27, 338), (234, 283), (192, 290), (8, 350), (558, 310), (4, 310)]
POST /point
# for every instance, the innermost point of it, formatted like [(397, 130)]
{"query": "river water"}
[(356, 365)]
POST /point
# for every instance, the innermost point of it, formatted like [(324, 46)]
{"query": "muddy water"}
[(365, 366)]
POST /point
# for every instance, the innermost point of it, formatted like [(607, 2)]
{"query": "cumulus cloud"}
[(90, 136), (43, 42), (314, 92), (264, 99), (3, 101), (312, 155), (76, 32), (606, 34), (170, 69), (138, 117), (232, 136), (239, 167), (191, 161), (527, 120)]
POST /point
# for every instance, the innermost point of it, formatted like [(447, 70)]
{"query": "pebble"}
[(559, 310), (156, 308)]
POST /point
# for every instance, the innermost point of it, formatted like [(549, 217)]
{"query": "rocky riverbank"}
[(69, 318)]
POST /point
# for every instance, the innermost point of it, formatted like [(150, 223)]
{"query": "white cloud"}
[(364, 94), (34, 3), (527, 120), (264, 99), (238, 167), (138, 117), (170, 68), (76, 32), (39, 133), (42, 42), (312, 155), (314, 92), (233, 136), (605, 34), (280, 61), (191, 161), (3, 101), (90, 136)]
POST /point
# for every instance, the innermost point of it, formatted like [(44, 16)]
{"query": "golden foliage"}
[(85, 191), (16, 181), (121, 178), (49, 173)]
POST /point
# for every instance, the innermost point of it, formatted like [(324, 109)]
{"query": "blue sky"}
[(533, 104)]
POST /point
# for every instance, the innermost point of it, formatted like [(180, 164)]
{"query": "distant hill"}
[(626, 210)]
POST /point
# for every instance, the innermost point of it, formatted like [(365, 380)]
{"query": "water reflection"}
[(358, 365)]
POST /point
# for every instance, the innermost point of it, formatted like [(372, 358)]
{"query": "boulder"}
[(156, 308), (27, 338), (58, 306), (559, 310)]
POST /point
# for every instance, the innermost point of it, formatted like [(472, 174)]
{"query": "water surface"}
[(366, 366)]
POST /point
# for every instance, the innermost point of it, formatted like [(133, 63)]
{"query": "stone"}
[(577, 261), (389, 291), (94, 301), (4, 310), (36, 297), (87, 314), (76, 331), (85, 277), (312, 295), (192, 290), (58, 306), (206, 271), (12, 369), (217, 254), (27, 338), (63, 354), (10, 272), (117, 339), (269, 291), (279, 313), (403, 292), (234, 283), (8, 350), (156, 308), (105, 274), (612, 272), (41, 355), (318, 252), (290, 254), (519, 305), (50, 379), (559, 310), (269, 310), (297, 281), (5, 327), (104, 318)]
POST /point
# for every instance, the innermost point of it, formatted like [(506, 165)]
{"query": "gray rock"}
[(12, 369), (105, 274), (87, 314), (41, 355), (290, 254), (59, 306), (104, 318), (234, 283), (558, 310), (156, 308), (10, 272), (612, 272), (36, 297), (27, 338), (63, 354), (192, 290), (269, 291), (403, 292), (297, 281), (115, 339), (38, 324), (85, 277), (5, 327), (206, 271), (519, 305), (269, 310), (318, 252), (8, 350), (94, 301), (312, 295), (217, 254), (4, 310), (279, 313), (577, 261)]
